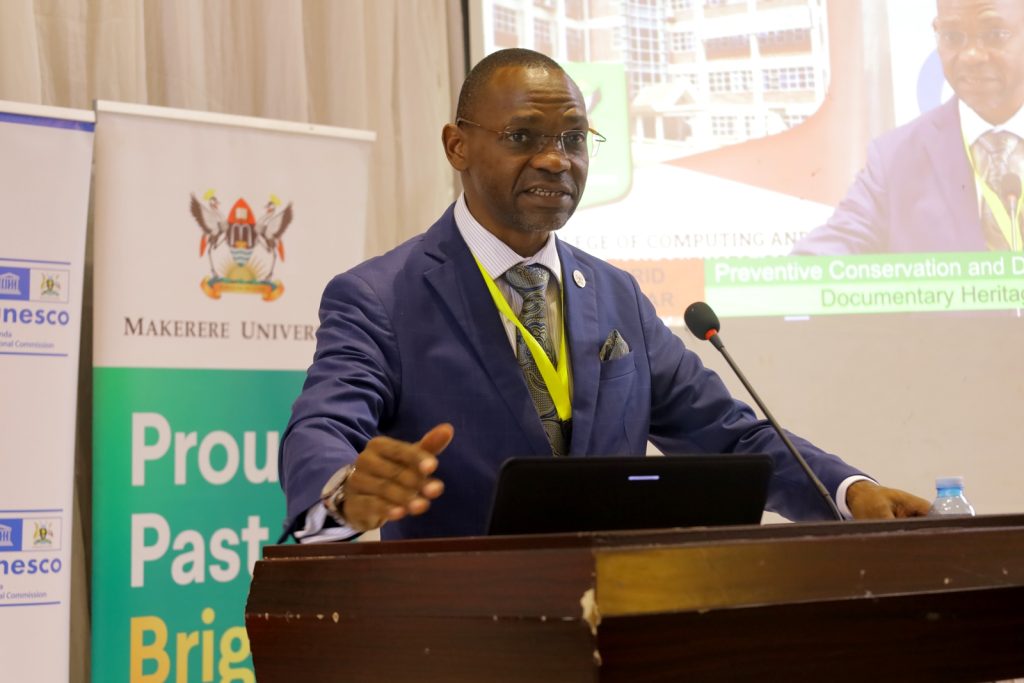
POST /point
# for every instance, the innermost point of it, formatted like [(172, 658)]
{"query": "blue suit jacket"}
[(412, 339), (916, 194)]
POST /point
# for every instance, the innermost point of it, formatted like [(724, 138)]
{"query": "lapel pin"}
[(578, 278)]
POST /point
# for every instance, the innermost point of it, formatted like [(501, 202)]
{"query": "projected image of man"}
[(948, 180)]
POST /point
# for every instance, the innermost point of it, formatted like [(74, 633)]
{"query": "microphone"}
[(704, 324), (1009, 187)]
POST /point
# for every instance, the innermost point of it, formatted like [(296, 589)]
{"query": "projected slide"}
[(786, 157)]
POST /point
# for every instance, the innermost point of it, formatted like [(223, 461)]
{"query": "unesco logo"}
[(14, 283), (28, 535), (10, 534)]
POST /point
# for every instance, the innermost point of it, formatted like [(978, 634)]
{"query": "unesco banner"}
[(44, 180), (214, 238)]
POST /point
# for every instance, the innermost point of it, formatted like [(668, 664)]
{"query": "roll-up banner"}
[(214, 238), (44, 183)]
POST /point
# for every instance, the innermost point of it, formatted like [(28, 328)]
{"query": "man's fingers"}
[(414, 501), (883, 510), (418, 504), (390, 491), (432, 489), (393, 455), (375, 472), (395, 451), (438, 438), (909, 505)]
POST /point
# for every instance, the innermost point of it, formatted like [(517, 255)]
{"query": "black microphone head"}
[(1009, 186), (701, 320)]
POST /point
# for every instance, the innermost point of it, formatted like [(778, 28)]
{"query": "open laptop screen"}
[(556, 495)]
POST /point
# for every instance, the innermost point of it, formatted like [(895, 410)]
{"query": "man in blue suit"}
[(938, 184), (423, 381)]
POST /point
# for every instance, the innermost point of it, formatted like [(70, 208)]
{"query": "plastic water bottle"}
[(949, 499)]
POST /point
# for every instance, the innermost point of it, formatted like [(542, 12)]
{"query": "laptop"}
[(560, 495)]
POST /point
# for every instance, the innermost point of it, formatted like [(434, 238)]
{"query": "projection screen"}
[(737, 136)]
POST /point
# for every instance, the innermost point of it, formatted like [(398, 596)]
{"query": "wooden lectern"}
[(936, 599)]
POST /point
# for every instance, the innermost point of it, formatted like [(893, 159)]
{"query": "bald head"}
[(481, 74)]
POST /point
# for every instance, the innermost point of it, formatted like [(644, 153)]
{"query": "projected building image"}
[(700, 75)]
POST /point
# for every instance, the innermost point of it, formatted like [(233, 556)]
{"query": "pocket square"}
[(614, 347)]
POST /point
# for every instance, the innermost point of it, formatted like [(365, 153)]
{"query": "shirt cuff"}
[(317, 530), (844, 510)]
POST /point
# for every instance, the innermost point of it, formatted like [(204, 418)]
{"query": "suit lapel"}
[(953, 171), (582, 327), (460, 289)]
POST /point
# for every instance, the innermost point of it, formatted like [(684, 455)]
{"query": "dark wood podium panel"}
[(909, 600)]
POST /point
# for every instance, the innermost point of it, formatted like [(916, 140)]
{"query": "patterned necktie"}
[(531, 282), (996, 153)]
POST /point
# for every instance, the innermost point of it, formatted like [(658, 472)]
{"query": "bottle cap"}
[(949, 483)]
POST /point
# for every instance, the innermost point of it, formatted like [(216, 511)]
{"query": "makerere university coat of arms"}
[(242, 248)]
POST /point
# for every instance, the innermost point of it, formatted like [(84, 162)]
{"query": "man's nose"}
[(552, 156), (973, 52)]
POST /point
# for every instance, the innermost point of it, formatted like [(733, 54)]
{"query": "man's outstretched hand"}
[(868, 500), (392, 479)]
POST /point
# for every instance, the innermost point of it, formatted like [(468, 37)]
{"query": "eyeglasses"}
[(572, 143), (990, 39)]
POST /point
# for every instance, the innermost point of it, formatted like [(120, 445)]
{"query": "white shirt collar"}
[(974, 126), (496, 256)]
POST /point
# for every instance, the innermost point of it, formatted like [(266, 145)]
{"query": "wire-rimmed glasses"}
[(954, 40), (572, 143)]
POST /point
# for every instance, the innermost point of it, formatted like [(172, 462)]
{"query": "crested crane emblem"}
[(242, 248)]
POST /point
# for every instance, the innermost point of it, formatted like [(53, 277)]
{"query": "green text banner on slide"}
[(215, 236), (44, 179)]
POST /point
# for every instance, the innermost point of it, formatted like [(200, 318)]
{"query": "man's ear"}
[(455, 147)]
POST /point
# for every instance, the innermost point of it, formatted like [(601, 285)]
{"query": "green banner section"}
[(882, 283), (611, 169), (186, 494)]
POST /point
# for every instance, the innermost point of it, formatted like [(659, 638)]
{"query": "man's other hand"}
[(392, 479), (868, 500)]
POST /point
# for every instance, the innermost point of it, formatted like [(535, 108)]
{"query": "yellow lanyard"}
[(556, 380), (995, 204)]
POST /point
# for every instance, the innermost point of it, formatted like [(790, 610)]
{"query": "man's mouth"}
[(543, 192), (978, 81)]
